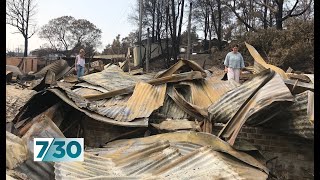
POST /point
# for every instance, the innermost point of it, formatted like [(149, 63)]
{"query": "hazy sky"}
[(111, 16)]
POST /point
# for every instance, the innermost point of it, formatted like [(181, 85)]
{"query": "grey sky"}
[(110, 16)]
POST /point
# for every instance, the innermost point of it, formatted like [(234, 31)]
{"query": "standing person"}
[(233, 64), (79, 63)]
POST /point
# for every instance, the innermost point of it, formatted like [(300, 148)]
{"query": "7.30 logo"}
[(58, 149)]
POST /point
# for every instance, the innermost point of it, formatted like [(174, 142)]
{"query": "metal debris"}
[(16, 151), (16, 97), (179, 155)]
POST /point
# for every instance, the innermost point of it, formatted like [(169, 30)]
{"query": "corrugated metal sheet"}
[(174, 125), (16, 150), (298, 118), (179, 155), (85, 91), (297, 86), (163, 80), (201, 93), (16, 71), (141, 122), (112, 78), (59, 67), (235, 107), (37, 170), (311, 77), (226, 107), (87, 85), (188, 64), (15, 99), (260, 62), (144, 100), (171, 110)]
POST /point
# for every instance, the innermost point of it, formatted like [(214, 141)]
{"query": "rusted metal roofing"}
[(311, 77), (16, 98), (141, 122), (187, 64), (36, 170), (195, 72), (297, 119), (297, 86), (255, 101), (16, 151), (201, 93), (171, 110), (174, 125), (112, 78), (260, 64), (85, 91), (59, 67), (179, 155), (90, 86), (16, 71), (144, 100)]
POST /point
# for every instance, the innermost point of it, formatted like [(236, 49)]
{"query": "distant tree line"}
[(220, 19)]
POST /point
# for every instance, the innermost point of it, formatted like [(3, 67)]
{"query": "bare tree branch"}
[(298, 14), (267, 5), (233, 9)]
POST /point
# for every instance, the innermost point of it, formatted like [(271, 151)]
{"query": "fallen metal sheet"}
[(90, 86), (144, 100), (173, 78), (171, 110), (179, 155), (15, 99), (136, 71), (188, 64), (145, 77), (59, 67), (161, 78), (226, 107), (255, 101), (48, 80), (260, 62), (141, 122), (112, 78), (54, 113), (311, 77), (36, 170), (15, 175), (174, 125), (70, 79), (209, 90), (297, 119), (16, 151), (85, 91), (297, 87), (215, 88), (200, 113), (44, 128), (14, 69), (301, 77)]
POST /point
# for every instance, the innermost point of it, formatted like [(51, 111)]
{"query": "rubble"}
[(131, 121), (179, 155)]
